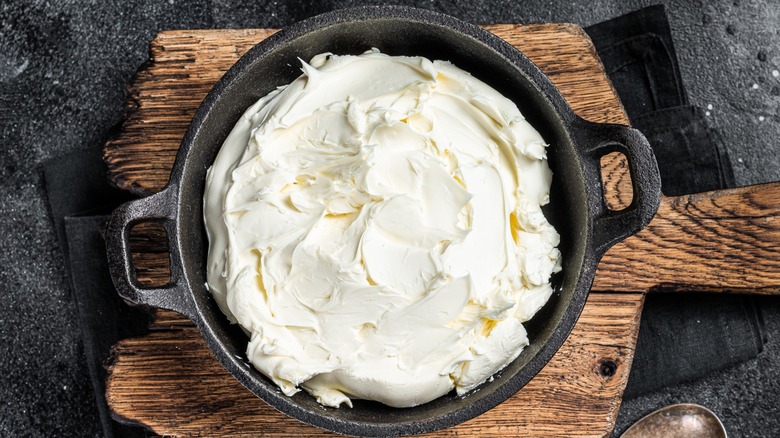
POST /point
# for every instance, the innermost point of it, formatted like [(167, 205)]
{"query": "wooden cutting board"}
[(169, 382)]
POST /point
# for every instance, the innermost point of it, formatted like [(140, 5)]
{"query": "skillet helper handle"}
[(160, 208), (611, 226)]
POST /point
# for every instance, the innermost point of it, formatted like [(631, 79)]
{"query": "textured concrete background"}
[(64, 66)]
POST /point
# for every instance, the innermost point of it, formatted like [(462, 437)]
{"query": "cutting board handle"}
[(721, 241)]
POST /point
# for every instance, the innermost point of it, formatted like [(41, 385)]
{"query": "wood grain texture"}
[(170, 382), (718, 241), (149, 250)]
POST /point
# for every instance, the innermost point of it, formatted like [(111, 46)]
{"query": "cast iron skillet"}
[(577, 208)]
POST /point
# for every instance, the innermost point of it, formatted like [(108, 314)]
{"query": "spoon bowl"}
[(680, 420)]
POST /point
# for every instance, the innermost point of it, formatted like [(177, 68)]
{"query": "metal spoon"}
[(681, 420)]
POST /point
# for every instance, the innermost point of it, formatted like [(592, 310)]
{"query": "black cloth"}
[(76, 184), (682, 336), (638, 54), (686, 336)]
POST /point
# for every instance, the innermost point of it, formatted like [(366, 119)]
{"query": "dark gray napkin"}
[(76, 184), (682, 336), (103, 317)]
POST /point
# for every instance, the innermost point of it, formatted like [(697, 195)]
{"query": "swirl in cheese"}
[(376, 229)]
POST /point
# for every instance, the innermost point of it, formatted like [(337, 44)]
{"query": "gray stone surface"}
[(63, 69)]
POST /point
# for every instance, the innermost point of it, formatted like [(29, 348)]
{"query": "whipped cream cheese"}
[(376, 229)]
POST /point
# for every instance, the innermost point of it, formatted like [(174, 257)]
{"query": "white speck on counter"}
[(775, 73), (9, 71), (709, 107), (760, 118), (755, 86), (740, 160), (706, 113)]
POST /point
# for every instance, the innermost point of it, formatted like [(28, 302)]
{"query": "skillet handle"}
[(160, 208), (612, 226)]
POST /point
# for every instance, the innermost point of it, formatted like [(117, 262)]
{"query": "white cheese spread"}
[(376, 229)]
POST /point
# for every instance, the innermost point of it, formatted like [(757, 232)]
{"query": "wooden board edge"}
[(635, 327), (109, 365), (130, 106)]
